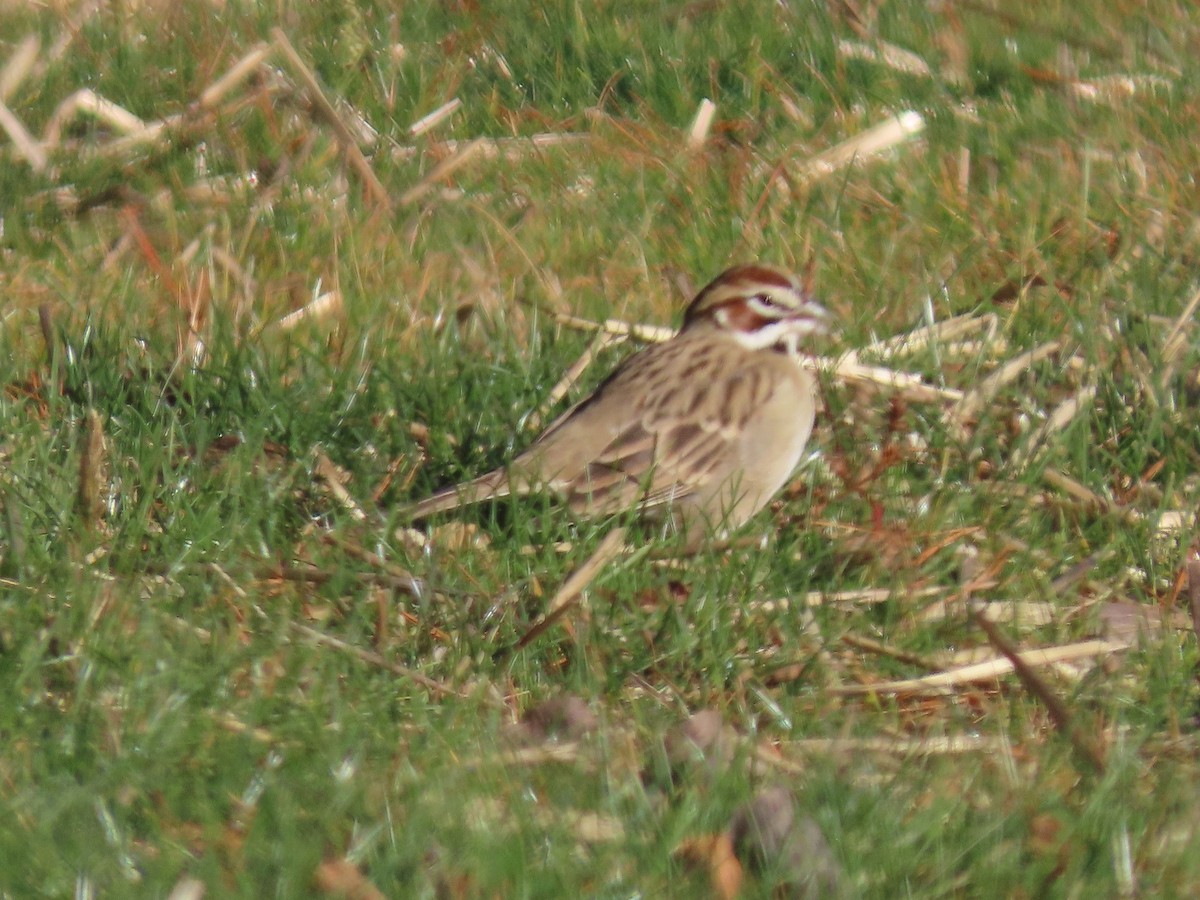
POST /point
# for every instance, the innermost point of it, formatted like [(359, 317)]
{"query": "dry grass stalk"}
[(701, 125), (72, 28), (374, 659), (938, 332), (233, 724), (865, 596), (320, 307), (136, 131), (1081, 492), (949, 604), (905, 384), (881, 649), (1193, 586), (376, 192), (506, 148), (651, 334), (846, 368), (1059, 713), (845, 747), (235, 270), (306, 574), (567, 595), (886, 54), (875, 140), (88, 101), (26, 145), (444, 169), (46, 324), (432, 120), (567, 752), (1177, 339), (982, 393), (1060, 418), (235, 75), (187, 888), (1135, 361), (973, 350), (18, 67), (1111, 88), (91, 470), (599, 344), (1025, 613), (396, 574), (989, 670), (328, 473), (154, 133)]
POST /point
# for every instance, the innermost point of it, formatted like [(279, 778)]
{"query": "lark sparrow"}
[(705, 427)]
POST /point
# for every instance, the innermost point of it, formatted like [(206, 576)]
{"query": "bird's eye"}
[(764, 299)]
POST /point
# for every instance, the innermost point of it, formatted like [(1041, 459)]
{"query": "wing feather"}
[(657, 431), (657, 438)]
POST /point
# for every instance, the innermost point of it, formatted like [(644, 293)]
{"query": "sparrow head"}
[(762, 306)]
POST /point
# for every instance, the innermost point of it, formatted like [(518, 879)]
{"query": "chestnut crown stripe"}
[(738, 285)]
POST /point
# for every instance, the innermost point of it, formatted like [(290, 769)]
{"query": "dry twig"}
[(982, 393), (1059, 714), (842, 748), (886, 54), (18, 67), (24, 142), (599, 344), (1059, 418), (442, 170), (91, 470), (1176, 340), (986, 671), (875, 140), (325, 109), (432, 120), (698, 133), (375, 659), (846, 368), (328, 472), (611, 547)]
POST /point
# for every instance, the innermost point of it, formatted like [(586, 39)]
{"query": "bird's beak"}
[(817, 317)]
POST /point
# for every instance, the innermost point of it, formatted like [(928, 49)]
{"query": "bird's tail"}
[(492, 486)]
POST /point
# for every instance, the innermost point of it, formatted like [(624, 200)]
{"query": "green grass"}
[(168, 712)]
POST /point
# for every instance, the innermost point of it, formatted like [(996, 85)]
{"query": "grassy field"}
[(253, 301)]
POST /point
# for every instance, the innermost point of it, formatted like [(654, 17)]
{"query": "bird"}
[(703, 429)]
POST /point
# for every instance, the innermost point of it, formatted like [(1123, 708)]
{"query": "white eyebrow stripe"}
[(762, 304)]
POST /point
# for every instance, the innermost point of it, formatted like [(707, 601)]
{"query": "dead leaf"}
[(341, 878), (704, 743), (715, 854), (768, 835), (459, 536), (567, 717)]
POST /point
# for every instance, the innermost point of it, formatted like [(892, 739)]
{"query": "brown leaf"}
[(1013, 288), (341, 878), (703, 744), (566, 717), (768, 835), (1124, 620), (715, 854), (1046, 841), (1193, 576)]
